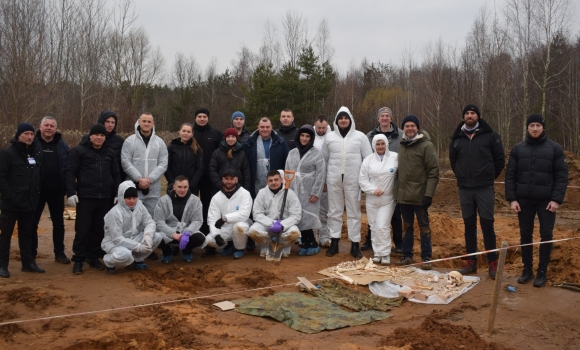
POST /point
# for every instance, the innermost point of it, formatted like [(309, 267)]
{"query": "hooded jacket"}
[(278, 153), (92, 173), (219, 160), (209, 139), (19, 179), (288, 133), (267, 206), (182, 161), (418, 173), (236, 209), (479, 160), (123, 225), (377, 173), (319, 140), (394, 136), (344, 155), (537, 171), (168, 224), (244, 135), (63, 150)]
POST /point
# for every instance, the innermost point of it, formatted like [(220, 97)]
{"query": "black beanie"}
[(202, 110), (471, 107), (98, 129), (22, 127), (410, 118), (130, 192), (342, 114), (536, 118)]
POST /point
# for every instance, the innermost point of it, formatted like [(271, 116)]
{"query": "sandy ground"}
[(531, 318)]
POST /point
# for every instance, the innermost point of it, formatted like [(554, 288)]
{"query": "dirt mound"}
[(8, 331), (34, 299), (258, 278), (128, 341), (433, 334), (179, 279)]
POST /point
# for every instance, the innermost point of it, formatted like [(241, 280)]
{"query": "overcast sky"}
[(378, 30)]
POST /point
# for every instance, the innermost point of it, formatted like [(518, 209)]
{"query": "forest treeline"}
[(73, 58)]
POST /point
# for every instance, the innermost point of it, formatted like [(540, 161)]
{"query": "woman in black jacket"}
[(185, 158), (230, 155)]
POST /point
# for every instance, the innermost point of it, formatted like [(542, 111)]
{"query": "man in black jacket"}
[(209, 139), (477, 158), (92, 178), (535, 184), (54, 153), (287, 129), (20, 178), (239, 123)]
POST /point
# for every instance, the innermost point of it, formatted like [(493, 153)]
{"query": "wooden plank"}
[(307, 283)]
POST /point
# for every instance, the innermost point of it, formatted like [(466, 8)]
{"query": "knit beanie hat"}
[(22, 127), (410, 118), (384, 110), (130, 192), (232, 132), (471, 107), (98, 129), (202, 110), (238, 114), (536, 118), (342, 114)]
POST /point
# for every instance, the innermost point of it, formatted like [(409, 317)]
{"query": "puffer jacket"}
[(209, 139), (20, 180), (418, 174), (479, 160), (288, 133), (183, 161), (219, 160), (536, 170), (394, 136)]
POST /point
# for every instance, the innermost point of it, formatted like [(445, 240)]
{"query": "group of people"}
[(226, 190)]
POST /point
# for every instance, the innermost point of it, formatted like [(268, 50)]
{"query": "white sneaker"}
[(286, 251), (377, 259), (325, 243), (264, 251), (386, 260)]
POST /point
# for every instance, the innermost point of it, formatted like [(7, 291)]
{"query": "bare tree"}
[(271, 49), (324, 49), (295, 35)]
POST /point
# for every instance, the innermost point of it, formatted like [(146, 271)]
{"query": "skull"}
[(454, 279)]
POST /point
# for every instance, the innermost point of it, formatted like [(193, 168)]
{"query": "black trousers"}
[(25, 219), (397, 227), (206, 192), (529, 210), (90, 228), (55, 203), (195, 240)]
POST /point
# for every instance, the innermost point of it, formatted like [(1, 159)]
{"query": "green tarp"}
[(305, 313)]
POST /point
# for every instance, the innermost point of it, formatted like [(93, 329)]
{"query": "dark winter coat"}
[(182, 161), (479, 160), (20, 180), (536, 170), (239, 161), (394, 136), (92, 173), (278, 153), (63, 151), (209, 139), (288, 133), (244, 135)]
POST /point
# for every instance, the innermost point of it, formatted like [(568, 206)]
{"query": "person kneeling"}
[(267, 207), (178, 216), (228, 216), (129, 232)]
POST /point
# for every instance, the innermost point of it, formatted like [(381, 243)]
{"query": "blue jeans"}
[(409, 212)]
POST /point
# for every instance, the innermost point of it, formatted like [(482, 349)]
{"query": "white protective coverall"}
[(125, 232), (377, 173), (266, 210), (149, 161), (323, 234), (167, 223), (309, 180), (344, 156), (237, 210)]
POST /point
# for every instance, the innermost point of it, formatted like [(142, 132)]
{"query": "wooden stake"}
[(497, 287)]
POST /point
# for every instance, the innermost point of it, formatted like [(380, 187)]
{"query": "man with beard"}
[(322, 130)]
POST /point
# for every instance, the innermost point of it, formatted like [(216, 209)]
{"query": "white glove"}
[(141, 248), (73, 200), (116, 200), (148, 242)]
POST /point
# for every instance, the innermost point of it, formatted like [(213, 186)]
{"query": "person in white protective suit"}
[(310, 168), (228, 216), (322, 129), (266, 212), (130, 234), (179, 216), (144, 159), (344, 150), (377, 180)]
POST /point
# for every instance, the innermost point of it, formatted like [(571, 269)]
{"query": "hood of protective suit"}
[(106, 114), (378, 137), (352, 124), (137, 129), (121, 191)]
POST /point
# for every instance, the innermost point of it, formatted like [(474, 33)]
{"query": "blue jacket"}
[(278, 153)]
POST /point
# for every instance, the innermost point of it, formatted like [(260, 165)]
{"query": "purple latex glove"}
[(184, 240), (276, 227)]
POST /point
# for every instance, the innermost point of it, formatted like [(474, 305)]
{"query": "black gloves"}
[(219, 223), (219, 241), (427, 202)]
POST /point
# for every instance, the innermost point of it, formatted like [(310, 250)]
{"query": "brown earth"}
[(182, 316)]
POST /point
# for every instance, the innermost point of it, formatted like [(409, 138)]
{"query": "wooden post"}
[(497, 286)]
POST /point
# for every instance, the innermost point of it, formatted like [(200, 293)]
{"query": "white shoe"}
[(377, 259), (264, 251), (386, 260), (286, 251), (325, 243)]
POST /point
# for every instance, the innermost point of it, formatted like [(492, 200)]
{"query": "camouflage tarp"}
[(304, 313), (354, 299)]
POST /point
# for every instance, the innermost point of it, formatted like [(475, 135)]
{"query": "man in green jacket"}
[(418, 176)]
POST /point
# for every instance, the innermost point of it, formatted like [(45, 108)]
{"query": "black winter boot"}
[(368, 243), (355, 250), (333, 250)]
